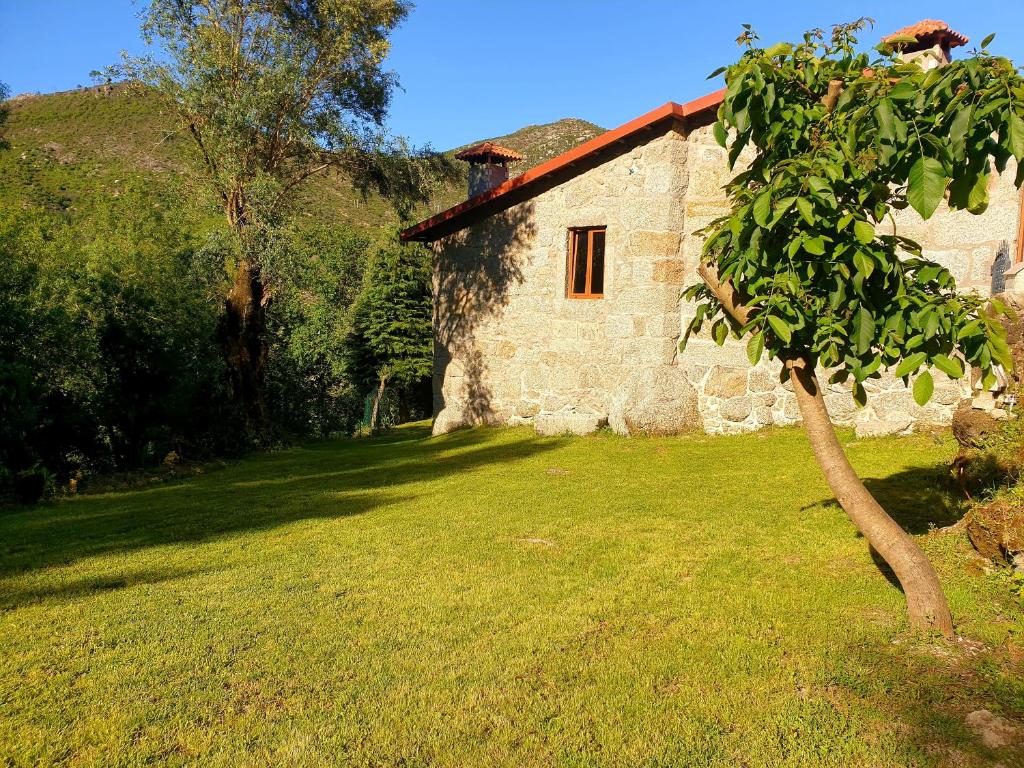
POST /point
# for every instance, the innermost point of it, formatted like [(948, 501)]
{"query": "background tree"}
[(390, 341), (807, 265), (5, 94), (273, 92)]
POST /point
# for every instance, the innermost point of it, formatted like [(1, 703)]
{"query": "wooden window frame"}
[(573, 236)]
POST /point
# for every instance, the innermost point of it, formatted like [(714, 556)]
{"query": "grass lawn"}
[(492, 598)]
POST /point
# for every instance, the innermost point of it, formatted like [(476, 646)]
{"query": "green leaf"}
[(719, 332), (864, 231), (781, 328), (754, 348), (1015, 135), (958, 131), (865, 264), (806, 209), (860, 395), (951, 366), (815, 245), (762, 208), (909, 364), (884, 118), (865, 331), (987, 40), (721, 134), (903, 91), (925, 185), (923, 388)]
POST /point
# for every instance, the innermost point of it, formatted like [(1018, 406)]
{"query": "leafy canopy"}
[(275, 91), (810, 244)]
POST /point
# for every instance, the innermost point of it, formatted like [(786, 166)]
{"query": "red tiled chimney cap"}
[(928, 32), (489, 150)]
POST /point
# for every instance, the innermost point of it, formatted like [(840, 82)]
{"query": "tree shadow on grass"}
[(16, 597), (928, 688), (324, 480), (919, 499)]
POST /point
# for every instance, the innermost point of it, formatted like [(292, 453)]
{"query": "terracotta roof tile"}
[(929, 32), (489, 149)]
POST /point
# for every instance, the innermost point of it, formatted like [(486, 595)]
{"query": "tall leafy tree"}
[(808, 265), (273, 92), (391, 340)]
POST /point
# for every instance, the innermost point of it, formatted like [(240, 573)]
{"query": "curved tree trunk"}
[(926, 603)]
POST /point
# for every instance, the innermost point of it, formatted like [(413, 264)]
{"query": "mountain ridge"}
[(68, 148)]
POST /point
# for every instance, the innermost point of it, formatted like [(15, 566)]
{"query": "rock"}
[(893, 424), (996, 530), (725, 381), (448, 420), (735, 409), (762, 380), (972, 426), (655, 401), (527, 410), (568, 423), (994, 731)]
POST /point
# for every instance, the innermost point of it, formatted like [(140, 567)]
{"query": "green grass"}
[(491, 598)]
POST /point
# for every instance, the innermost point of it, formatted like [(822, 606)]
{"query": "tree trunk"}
[(375, 413), (245, 345), (926, 602)]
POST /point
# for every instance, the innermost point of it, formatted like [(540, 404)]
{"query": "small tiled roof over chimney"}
[(928, 33), (488, 151)]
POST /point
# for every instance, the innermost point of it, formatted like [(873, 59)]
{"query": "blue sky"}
[(471, 69)]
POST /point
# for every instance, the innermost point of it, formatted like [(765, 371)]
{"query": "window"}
[(586, 263)]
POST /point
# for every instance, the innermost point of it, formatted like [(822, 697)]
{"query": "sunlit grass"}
[(495, 598)]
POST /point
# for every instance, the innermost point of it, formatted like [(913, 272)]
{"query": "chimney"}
[(488, 165), (928, 43)]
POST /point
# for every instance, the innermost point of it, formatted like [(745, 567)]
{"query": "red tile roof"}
[(928, 32), (519, 188), (487, 149)]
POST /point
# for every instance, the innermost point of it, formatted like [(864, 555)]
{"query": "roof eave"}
[(446, 222)]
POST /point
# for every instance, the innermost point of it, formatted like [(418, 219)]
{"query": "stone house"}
[(557, 292)]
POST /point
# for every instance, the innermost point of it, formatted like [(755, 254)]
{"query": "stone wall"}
[(733, 397), (511, 348)]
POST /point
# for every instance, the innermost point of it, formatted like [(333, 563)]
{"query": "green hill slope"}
[(69, 148)]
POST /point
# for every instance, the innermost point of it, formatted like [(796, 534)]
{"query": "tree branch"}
[(725, 293)]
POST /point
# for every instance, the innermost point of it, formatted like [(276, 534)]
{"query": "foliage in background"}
[(106, 347), (308, 324), (273, 93)]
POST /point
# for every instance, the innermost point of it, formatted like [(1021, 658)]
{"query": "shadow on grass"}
[(17, 597), (919, 499), (322, 480), (927, 690)]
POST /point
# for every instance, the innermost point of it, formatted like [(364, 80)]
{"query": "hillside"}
[(68, 148)]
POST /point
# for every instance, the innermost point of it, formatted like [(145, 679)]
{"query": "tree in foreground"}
[(391, 342), (273, 92), (808, 264)]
